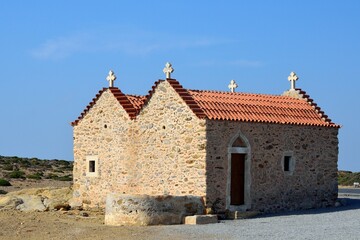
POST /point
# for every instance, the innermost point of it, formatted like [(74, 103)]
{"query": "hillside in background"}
[(347, 178), (34, 168)]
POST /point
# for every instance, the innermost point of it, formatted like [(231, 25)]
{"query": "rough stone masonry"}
[(168, 150)]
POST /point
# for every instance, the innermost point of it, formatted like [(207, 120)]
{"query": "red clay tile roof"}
[(136, 101), (231, 106), (132, 104), (124, 101), (188, 99), (183, 93), (260, 108)]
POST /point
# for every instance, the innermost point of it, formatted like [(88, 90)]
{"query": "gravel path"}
[(334, 223)]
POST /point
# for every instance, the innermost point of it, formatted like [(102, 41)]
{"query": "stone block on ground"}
[(9, 202), (31, 203), (37, 199), (241, 215), (201, 219), (122, 209)]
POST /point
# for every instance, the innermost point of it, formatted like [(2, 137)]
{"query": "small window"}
[(287, 160), (92, 166), (288, 163)]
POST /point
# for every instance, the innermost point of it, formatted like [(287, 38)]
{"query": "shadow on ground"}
[(348, 203)]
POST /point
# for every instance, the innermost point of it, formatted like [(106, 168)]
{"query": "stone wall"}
[(170, 146), (103, 132), (162, 152), (313, 182)]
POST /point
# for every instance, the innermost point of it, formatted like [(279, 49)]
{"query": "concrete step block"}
[(241, 215), (201, 219)]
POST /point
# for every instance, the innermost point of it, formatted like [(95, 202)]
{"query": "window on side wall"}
[(287, 160), (92, 166), (288, 163)]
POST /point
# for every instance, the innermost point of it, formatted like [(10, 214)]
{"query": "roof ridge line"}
[(234, 93), (135, 95)]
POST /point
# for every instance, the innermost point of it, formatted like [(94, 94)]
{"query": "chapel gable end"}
[(170, 95)]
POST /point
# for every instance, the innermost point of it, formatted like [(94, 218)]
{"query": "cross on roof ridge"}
[(292, 78), (111, 78), (232, 86), (168, 70)]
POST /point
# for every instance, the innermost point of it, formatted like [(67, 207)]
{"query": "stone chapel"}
[(238, 151)]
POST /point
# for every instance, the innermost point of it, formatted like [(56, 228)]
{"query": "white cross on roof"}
[(232, 86), (293, 78), (111, 78), (168, 69)]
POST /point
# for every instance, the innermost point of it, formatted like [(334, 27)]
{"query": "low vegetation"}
[(4, 182), (347, 178), (34, 169), (16, 174)]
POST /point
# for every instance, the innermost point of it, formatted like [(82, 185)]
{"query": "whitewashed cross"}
[(111, 78), (293, 78), (232, 86), (168, 69)]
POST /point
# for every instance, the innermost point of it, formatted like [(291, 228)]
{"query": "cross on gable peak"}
[(111, 78), (168, 69), (292, 78)]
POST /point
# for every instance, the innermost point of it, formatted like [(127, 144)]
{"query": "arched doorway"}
[(238, 190)]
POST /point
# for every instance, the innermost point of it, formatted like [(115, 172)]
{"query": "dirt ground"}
[(18, 184), (62, 225), (70, 225), (73, 224)]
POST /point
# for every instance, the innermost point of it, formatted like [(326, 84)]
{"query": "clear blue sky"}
[(55, 55)]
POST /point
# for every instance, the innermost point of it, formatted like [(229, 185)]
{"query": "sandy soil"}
[(18, 184), (48, 225)]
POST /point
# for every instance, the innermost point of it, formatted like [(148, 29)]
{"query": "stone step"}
[(201, 219), (241, 215)]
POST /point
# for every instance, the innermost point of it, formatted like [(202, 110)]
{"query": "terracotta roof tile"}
[(130, 103), (260, 108), (231, 106), (183, 93), (136, 101), (188, 99)]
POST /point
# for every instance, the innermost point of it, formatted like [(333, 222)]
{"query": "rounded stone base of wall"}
[(124, 209)]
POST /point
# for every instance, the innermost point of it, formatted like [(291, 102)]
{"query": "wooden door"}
[(237, 179)]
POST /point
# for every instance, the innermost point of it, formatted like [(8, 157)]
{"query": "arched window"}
[(239, 143)]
